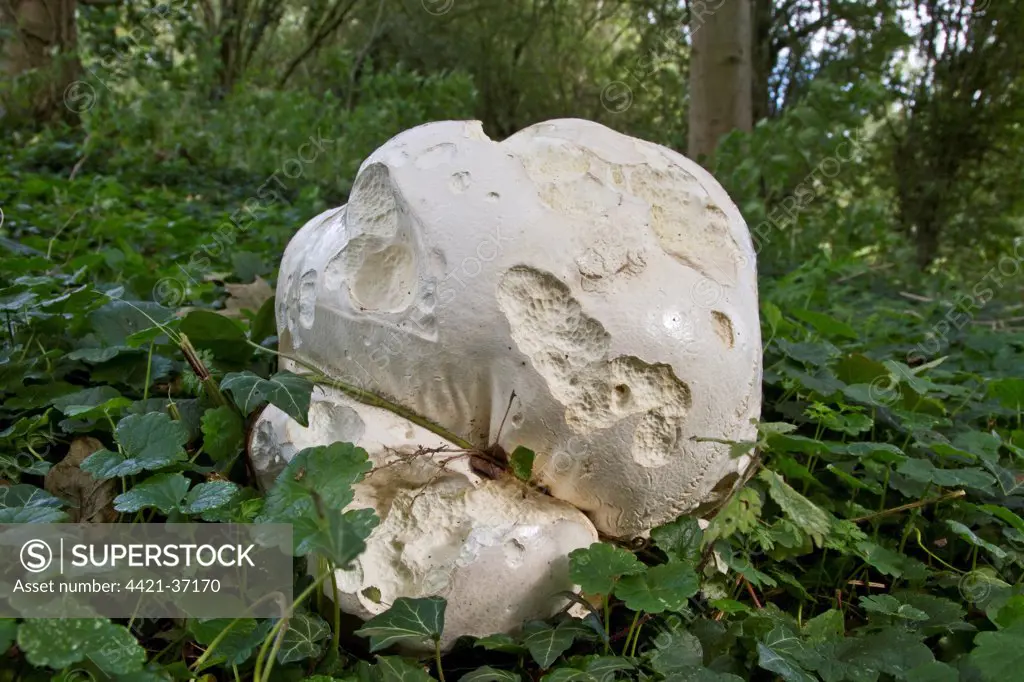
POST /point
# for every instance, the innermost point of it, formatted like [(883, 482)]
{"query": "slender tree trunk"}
[(37, 59), (720, 74), (761, 58)]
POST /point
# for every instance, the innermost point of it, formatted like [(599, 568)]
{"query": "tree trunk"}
[(927, 244), (720, 74), (762, 59), (38, 61)]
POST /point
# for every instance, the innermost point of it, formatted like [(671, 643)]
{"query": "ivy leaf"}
[(589, 669), (24, 495), (566, 674), (812, 520), (597, 568), (57, 644), (601, 666), (500, 642), (680, 540), (546, 643), (521, 462), (704, 675), (302, 638), (209, 495), (222, 433), (407, 619), (829, 625), (397, 669), (660, 588), (149, 441), (238, 644), (489, 674), (32, 515), (163, 491), (286, 391), (32, 467), (24, 503)]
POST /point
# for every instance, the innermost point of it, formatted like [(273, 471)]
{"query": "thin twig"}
[(507, 410), (913, 505), (78, 166), (752, 593), (916, 297)]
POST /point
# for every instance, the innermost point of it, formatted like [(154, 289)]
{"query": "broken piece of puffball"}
[(496, 550)]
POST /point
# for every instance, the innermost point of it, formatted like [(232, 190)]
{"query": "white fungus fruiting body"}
[(496, 550), (609, 282)]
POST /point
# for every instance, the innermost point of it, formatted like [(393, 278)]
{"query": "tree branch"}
[(325, 30)]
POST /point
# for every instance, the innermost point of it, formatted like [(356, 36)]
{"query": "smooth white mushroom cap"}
[(496, 550), (609, 282)]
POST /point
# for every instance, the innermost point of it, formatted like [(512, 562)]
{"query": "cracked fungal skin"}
[(608, 281)]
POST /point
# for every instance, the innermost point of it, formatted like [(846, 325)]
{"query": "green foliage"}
[(59, 643), (148, 441), (304, 638), (407, 619), (163, 491), (238, 645), (521, 463), (893, 483), (659, 588), (546, 643), (597, 568), (287, 391), (222, 433)]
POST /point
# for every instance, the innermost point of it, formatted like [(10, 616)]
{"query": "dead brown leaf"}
[(246, 296), (91, 501)]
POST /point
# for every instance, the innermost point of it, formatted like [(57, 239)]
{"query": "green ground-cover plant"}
[(879, 536)]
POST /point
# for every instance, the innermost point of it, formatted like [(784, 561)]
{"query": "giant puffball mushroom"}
[(496, 550), (608, 281)]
